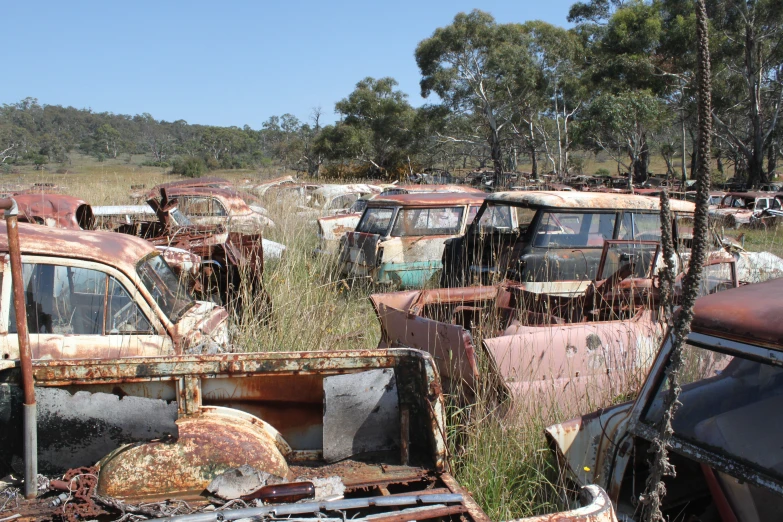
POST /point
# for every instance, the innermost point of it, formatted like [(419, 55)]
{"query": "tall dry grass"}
[(498, 453)]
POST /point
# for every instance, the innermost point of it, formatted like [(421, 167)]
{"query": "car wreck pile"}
[(120, 384)]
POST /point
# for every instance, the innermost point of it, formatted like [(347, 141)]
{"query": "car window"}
[(164, 287), (640, 227), (427, 221), (729, 405), (761, 204), (499, 218), (574, 229), (202, 206), (343, 201), (123, 315), (774, 204), (62, 300), (472, 211), (375, 221)]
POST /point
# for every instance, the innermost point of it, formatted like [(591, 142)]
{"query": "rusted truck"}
[(737, 209), (593, 339), (726, 447), (399, 239), (550, 236)]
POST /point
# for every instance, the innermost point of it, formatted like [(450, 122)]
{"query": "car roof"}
[(118, 250), (428, 198), (751, 194), (599, 200), (749, 314)]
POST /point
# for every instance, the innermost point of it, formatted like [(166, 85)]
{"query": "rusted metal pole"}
[(30, 424)]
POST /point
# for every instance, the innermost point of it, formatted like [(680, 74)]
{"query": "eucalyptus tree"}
[(479, 67)]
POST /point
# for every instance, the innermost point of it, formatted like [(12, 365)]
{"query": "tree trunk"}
[(695, 155), (772, 159), (533, 159), (753, 71)]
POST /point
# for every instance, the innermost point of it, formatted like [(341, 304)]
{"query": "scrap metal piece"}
[(209, 444), (361, 414), (81, 485)]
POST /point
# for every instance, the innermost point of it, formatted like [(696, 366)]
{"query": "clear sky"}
[(223, 63)]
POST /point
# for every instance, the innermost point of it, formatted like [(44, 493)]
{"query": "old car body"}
[(100, 294), (337, 199), (219, 206), (332, 228), (737, 209), (549, 236), (55, 210), (399, 239), (561, 339), (168, 426), (726, 442)]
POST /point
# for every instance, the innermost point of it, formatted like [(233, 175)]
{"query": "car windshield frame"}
[(166, 289), (715, 458), (366, 216)]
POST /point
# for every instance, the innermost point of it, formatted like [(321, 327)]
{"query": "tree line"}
[(620, 82)]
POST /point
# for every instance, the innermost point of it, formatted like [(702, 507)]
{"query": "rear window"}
[(375, 221), (428, 221), (640, 227)]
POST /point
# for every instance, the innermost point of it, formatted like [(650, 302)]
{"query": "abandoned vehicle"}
[(726, 444), (399, 239), (549, 236), (559, 338), (100, 294)]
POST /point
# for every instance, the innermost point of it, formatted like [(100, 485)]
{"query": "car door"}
[(82, 310)]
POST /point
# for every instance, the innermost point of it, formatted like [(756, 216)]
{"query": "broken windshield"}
[(505, 218), (729, 405), (375, 221), (165, 287)]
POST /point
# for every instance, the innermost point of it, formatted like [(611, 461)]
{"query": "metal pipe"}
[(30, 416), (316, 507)]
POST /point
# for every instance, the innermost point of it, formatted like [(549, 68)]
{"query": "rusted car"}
[(220, 206), (337, 199), (399, 239), (332, 228), (567, 340), (211, 261), (726, 445), (737, 209), (99, 294), (549, 236)]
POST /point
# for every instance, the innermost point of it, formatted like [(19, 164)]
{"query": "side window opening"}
[(67, 300)]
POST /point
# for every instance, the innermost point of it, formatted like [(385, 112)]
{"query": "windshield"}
[(165, 287), (498, 218), (375, 221), (428, 222)]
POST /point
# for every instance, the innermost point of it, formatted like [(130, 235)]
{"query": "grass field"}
[(505, 463)]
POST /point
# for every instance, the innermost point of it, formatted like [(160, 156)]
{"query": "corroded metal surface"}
[(207, 445), (56, 210), (748, 314), (118, 250), (422, 189), (424, 199), (587, 200)]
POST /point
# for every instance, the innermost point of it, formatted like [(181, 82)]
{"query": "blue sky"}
[(223, 63)]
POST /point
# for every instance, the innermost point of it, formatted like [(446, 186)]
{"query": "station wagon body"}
[(399, 239), (550, 236)]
